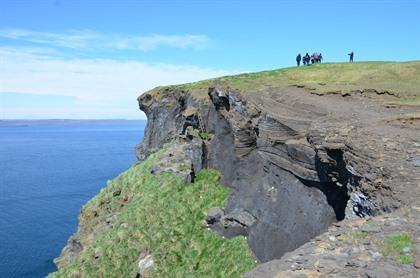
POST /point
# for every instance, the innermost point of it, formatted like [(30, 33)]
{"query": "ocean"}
[(48, 171)]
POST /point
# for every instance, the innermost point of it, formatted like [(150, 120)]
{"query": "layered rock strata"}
[(293, 169)]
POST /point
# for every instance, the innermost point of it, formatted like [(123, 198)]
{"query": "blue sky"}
[(91, 59)]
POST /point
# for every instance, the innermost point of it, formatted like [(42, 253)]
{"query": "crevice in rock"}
[(192, 174), (337, 197), (204, 155), (191, 120), (181, 101), (340, 184)]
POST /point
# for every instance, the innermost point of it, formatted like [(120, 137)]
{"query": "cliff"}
[(299, 150)]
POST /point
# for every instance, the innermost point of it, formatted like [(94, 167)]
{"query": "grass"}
[(399, 246), (158, 215), (201, 134), (399, 78)]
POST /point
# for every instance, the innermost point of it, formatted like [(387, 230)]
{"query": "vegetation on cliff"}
[(158, 215), (395, 82)]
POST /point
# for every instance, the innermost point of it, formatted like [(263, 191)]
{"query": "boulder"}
[(146, 262)]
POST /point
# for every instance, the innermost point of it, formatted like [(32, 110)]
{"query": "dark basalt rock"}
[(290, 177), (167, 118), (287, 212), (351, 249), (219, 98), (232, 224)]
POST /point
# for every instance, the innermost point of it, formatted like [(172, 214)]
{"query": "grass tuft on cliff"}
[(161, 216), (401, 247), (400, 79)]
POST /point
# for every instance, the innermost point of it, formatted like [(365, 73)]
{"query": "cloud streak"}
[(155, 41), (102, 88), (90, 40), (54, 75)]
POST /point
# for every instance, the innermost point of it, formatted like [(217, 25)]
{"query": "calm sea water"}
[(48, 170)]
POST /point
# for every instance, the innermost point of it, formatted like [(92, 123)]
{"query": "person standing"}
[(320, 57), (306, 59), (351, 54), (298, 59)]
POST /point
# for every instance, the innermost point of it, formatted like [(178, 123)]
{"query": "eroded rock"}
[(214, 215), (146, 262), (360, 206), (70, 251), (356, 251), (183, 158), (232, 224)]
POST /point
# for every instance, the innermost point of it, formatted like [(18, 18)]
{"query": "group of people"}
[(307, 60), (315, 58)]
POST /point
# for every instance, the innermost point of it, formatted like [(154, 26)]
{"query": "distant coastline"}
[(19, 122)]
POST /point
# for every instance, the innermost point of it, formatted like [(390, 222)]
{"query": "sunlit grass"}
[(399, 78), (159, 215), (400, 246)]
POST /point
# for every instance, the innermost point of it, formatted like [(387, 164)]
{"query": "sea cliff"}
[(301, 170)]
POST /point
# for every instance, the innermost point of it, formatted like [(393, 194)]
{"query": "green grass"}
[(201, 134), (400, 78), (160, 215), (395, 246)]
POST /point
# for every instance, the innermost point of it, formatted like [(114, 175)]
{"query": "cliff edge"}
[(312, 156)]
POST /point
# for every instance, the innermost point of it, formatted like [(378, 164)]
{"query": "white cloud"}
[(89, 40), (78, 39), (154, 41), (104, 88)]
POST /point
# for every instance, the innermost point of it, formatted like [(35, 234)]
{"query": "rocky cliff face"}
[(381, 246), (296, 163)]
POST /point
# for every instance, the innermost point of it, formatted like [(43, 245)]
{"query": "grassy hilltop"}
[(396, 82)]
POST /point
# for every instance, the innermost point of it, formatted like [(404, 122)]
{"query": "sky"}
[(91, 59)]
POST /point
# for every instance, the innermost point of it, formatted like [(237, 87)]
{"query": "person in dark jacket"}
[(320, 58), (298, 59), (306, 59), (351, 54)]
